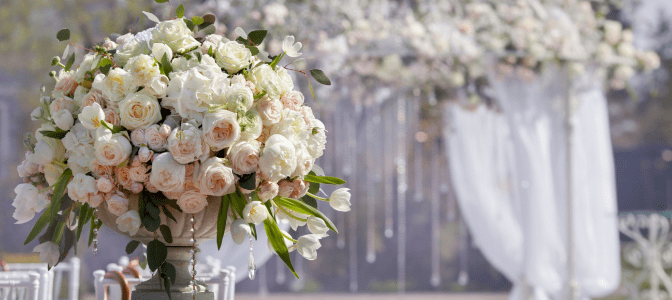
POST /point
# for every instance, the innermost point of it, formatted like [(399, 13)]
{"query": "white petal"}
[(151, 16), (239, 31)]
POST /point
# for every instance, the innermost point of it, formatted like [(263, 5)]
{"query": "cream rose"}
[(139, 173), (129, 222), (215, 178), (117, 204), (100, 170), (292, 100), (93, 96), (104, 184), (145, 155), (154, 139), (211, 42), (239, 98), (186, 144), (139, 110), (167, 174), (116, 85), (251, 125), (112, 149), (232, 56), (175, 34), (244, 156), (270, 111), (112, 116), (124, 177), (157, 86), (138, 137), (66, 82), (81, 187), (268, 190), (267, 80), (192, 201), (278, 159), (221, 129), (286, 83), (142, 68)]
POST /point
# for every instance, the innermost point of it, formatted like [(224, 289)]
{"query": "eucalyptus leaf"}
[(320, 76), (59, 135), (156, 254), (197, 20), (167, 235), (153, 210), (169, 270), (63, 35), (131, 246), (151, 17), (180, 11), (161, 1), (257, 36), (168, 214), (150, 223), (39, 225), (248, 181), (71, 61)]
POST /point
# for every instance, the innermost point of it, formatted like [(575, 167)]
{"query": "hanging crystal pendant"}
[(251, 267), (95, 232), (193, 257)]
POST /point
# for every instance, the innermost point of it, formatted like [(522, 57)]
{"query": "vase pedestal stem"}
[(153, 289)]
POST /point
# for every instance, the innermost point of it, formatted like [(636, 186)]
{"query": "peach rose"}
[(221, 129), (145, 155), (138, 173), (124, 176), (117, 204), (112, 116), (154, 139), (105, 184), (244, 156), (92, 97), (136, 187), (100, 170), (192, 201), (62, 103), (292, 100), (66, 83), (270, 111), (186, 144), (138, 137), (268, 190), (285, 188), (164, 131), (215, 178), (167, 174), (96, 199)]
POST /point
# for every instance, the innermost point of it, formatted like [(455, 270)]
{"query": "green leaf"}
[(143, 263), (253, 50), (105, 65), (303, 208), (276, 60), (243, 41), (168, 213), (71, 61), (169, 270), (312, 92), (324, 179), (189, 23), (211, 53), (39, 225), (173, 204), (314, 187), (167, 235), (161, 1), (156, 254), (257, 36), (277, 241), (58, 233), (199, 56), (114, 128), (238, 202), (150, 223), (165, 64), (59, 191), (131, 246), (320, 76), (210, 29), (63, 35), (166, 286), (180, 11), (221, 220), (209, 19), (84, 214), (197, 20), (153, 211), (54, 134), (248, 181), (309, 200)]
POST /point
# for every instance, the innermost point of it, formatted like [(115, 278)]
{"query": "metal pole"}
[(572, 286)]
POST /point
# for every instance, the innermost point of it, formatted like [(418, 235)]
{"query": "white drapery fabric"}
[(509, 173)]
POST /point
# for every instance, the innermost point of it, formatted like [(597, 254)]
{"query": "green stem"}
[(317, 197), (59, 163), (44, 190), (290, 214), (289, 237)]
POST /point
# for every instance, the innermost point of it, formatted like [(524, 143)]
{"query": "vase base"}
[(161, 295)]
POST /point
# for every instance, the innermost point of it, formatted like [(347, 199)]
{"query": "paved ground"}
[(418, 296)]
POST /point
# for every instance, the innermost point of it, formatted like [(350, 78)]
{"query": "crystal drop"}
[(192, 240), (251, 267), (191, 252), (191, 229)]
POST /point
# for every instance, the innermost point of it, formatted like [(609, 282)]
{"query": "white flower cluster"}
[(173, 115)]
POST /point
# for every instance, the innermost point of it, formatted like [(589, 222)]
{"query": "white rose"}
[(112, 149), (255, 212), (186, 144), (268, 190), (292, 100), (81, 187), (251, 125), (291, 126), (91, 116), (244, 156), (129, 222), (270, 111), (139, 110), (239, 97), (278, 159), (307, 246), (340, 199), (192, 201), (117, 205), (159, 50), (215, 178), (175, 34), (221, 129), (612, 31), (211, 41), (142, 68), (626, 50), (27, 168), (49, 253), (154, 139), (267, 80), (317, 226), (624, 72), (304, 163), (145, 154), (62, 102), (167, 174), (63, 119), (117, 84), (286, 83), (27, 202), (138, 137), (317, 139), (157, 86), (232, 56), (131, 47)]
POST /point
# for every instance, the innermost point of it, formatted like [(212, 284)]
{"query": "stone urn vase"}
[(179, 251)]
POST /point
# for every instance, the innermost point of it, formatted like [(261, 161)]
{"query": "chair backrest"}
[(19, 285), (46, 277), (112, 278), (72, 268)]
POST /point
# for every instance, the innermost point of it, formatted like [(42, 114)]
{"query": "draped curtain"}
[(509, 172)]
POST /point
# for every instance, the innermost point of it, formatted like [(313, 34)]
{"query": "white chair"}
[(51, 280), (19, 285)]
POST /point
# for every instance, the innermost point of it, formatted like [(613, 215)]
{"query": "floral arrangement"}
[(169, 117)]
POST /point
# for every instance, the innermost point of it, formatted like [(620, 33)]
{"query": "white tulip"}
[(63, 119), (129, 222), (288, 243), (340, 199), (48, 253), (290, 48), (255, 212), (37, 113), (317, 226), (239, 229), (307, 246), (91, 116), (27, 202)]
